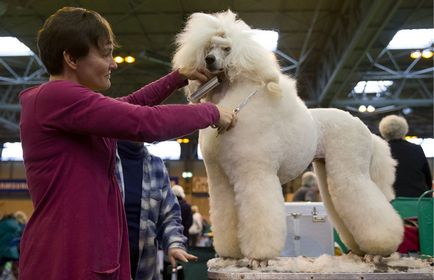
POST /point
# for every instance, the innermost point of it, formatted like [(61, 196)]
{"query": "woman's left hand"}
[(201, 75)]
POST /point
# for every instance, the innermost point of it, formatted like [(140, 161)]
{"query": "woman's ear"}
[(69, 60)]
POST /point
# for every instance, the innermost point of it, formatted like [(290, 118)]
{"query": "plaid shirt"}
[(160, 215)]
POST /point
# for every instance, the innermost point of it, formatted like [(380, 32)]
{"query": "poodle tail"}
[(274, 87), (382, 167)]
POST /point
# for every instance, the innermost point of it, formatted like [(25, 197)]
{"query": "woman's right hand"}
[(227, 120)]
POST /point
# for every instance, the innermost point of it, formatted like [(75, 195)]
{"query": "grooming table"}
[(317, 276)]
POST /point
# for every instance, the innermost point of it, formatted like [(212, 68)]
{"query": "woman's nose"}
[(113, 65)]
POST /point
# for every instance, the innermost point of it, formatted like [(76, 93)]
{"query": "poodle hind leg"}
[(224, 218), (344, 233), (376, 227), (261, 210), (360, 203), (362, 206)]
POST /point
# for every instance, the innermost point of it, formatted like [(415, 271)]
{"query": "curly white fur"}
[(275, 139)]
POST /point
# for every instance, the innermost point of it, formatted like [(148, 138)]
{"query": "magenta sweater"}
[(78, 229)]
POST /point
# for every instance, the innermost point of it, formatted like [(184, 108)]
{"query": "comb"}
[(203, 90)]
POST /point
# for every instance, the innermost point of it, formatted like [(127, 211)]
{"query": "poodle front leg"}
[(261, 213), (224, 218)]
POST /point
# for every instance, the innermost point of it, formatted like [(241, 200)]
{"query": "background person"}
[(21, 218), (153, 212), (413, 174), (11, 229), (309, 188), (186, 213), (195, 230), (78, 229)]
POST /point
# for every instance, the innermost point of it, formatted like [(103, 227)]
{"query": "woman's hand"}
[(227, 120), (201, 75)]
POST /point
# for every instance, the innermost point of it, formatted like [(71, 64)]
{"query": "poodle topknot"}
[(393, 127)]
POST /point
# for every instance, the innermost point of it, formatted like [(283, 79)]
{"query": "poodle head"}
[(224, 45), (216, 55)]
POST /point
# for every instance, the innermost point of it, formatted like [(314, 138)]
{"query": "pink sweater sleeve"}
[(66, 106), (155, 92)]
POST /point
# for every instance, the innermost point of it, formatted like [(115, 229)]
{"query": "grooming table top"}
[(325, 267), (318, 276)]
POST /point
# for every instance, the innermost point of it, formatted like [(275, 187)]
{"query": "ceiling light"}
[(412, 39), (362, 108), (407, 110), (130, 59), (11, 46), (183, 140), (372, 86), (427, 54), (119, 59), (267, 38), (415, 54), (187, 174), (370, 109)]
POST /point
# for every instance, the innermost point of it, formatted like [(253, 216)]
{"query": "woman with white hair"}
[(413, 174)]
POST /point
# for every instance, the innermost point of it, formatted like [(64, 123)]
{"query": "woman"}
[(68, 131), (413, 173)]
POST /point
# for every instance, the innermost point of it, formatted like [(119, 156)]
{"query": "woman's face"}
[(94, 70)]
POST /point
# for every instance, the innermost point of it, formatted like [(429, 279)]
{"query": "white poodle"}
[(275, 139)]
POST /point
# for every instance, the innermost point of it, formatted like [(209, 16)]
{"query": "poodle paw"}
[(255, 264), (372, 258)]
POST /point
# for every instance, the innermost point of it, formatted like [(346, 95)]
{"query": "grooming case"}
[(309, 231)]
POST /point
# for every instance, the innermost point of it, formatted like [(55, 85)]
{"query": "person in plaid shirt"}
[(153, 212)]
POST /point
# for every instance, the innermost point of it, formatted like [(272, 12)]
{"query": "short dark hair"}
[(73, 30)]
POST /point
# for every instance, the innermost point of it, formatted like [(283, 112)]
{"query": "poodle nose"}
[(210, 59)]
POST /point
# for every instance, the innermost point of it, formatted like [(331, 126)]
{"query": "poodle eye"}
[(227, 49)]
